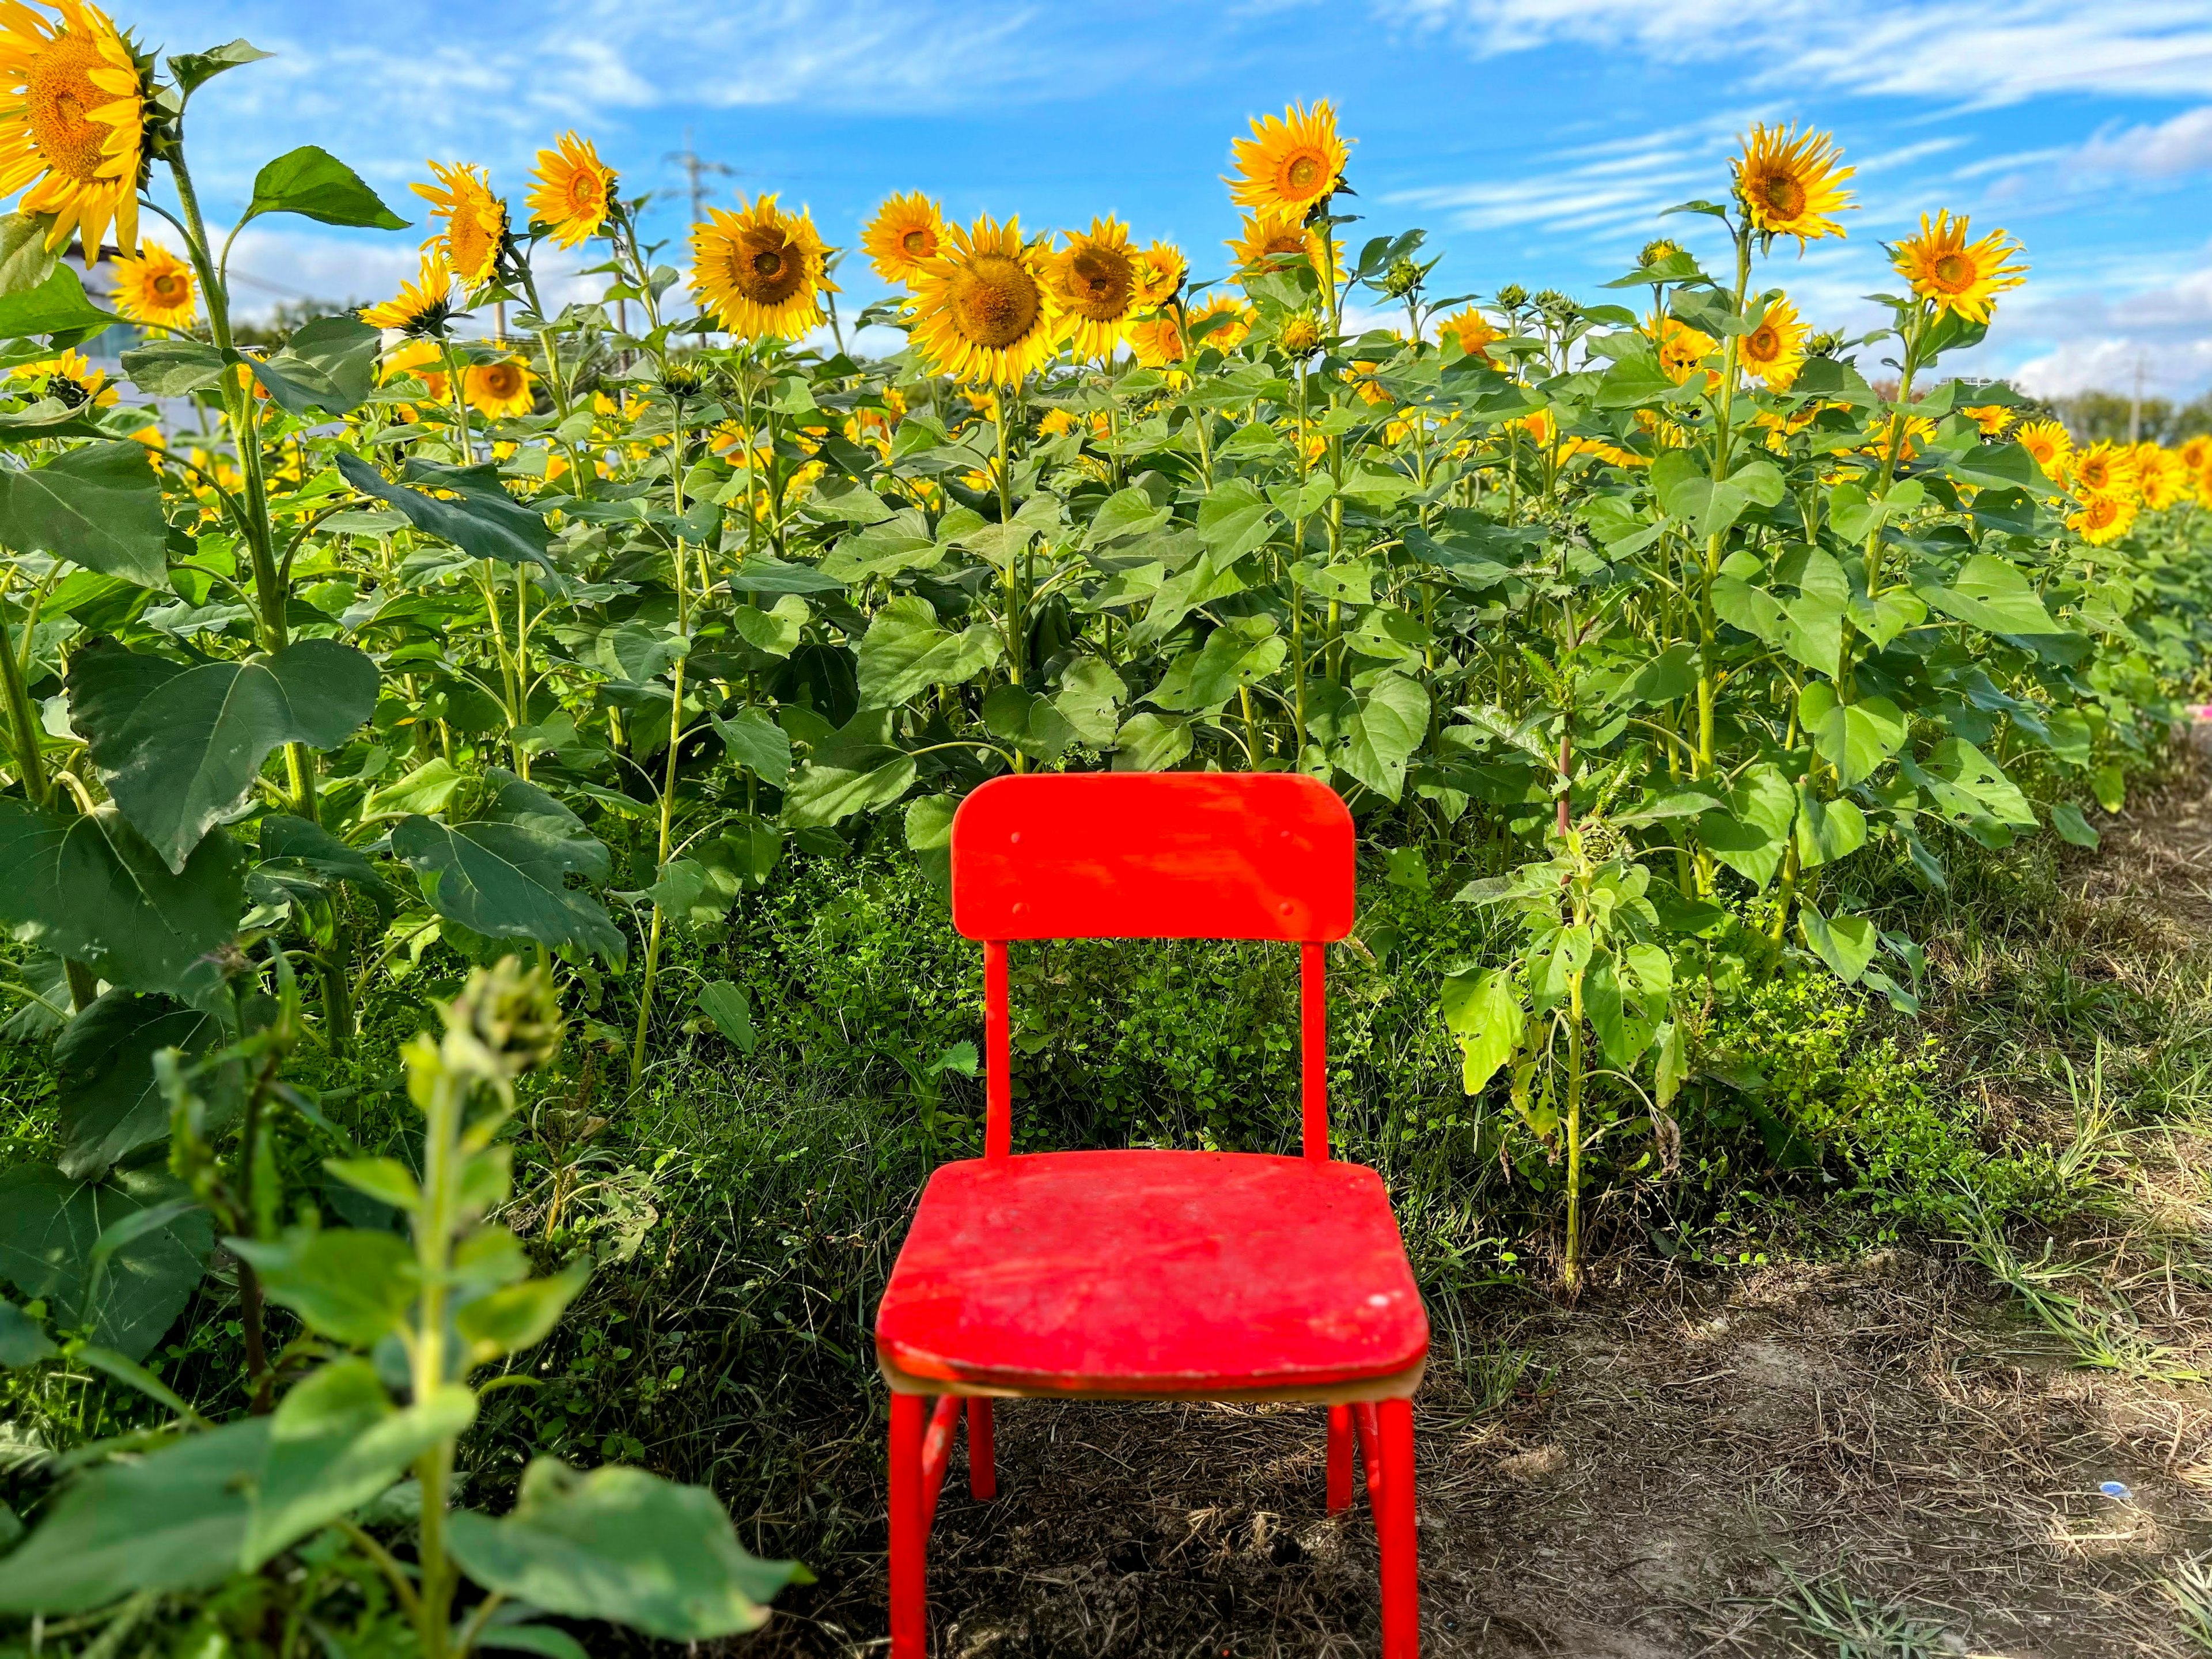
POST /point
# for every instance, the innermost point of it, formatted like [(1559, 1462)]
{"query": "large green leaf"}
[(49, 1226), (174, 367), (179, 752), (1379, 728), (1855, 738), (480, 518), (756, 743), (98, 505), (841, 781), (621, 1545), (1483, 1011), (505, 873), (92, 890), (194, 69), (1209, 676), (55, 308), (1826, 829), (1845, 943), (1751, 835), (328, 364), (1990, 594), (170, 1521), (315, 184), (905, 653), (108, 1102), (26, 261), (353, 1285)]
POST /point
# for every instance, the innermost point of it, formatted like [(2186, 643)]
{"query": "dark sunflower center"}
[(1763, 342), (67, 392), (1953, 271), (60, 91), (504, 380), (995, 302), (169, 287), (916, 242), (1785, 196), (767, 270), (1100, 282), (1303, 173)]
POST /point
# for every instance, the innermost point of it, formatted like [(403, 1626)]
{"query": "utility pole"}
[(2135, 403), (696, 168)]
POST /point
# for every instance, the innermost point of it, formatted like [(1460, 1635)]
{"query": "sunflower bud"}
[(1301, 333), (682, 382), (1403, 277), (506, 1020), (1558, 306), (1657, 253), (1513, 297)]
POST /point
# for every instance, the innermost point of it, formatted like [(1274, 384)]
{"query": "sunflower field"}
[(471, 663)]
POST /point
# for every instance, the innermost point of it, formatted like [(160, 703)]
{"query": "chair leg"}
[(909, 1532), (1340, 1458), (1395, 1533), (982, 1461)]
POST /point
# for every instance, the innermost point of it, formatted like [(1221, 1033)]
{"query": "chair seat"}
[(1159, 1273)]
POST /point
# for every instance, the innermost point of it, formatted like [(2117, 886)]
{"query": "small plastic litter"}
[(2116, 1489)]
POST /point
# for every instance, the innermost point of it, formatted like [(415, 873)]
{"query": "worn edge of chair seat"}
[(1399, 1385)]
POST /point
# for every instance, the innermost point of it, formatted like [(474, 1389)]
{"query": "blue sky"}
[(1536, 140)]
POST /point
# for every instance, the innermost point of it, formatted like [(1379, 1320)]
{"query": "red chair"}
[(1152, 1275)]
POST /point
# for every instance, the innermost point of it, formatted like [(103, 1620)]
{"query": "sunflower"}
[(1161, 271), (1473, 331), (1682, 348), (2051, 445), (1300, 334), (155, 289), (1225, 336), (1098, 284), (1360, 377), (423, 359), (1268, 238), (68, 379), (1157, 341), (1789, 183), (2105, 469), (500, 390), (475, 219), (907, 233), (2196, 452), (1775, 350), (1992, 418), (1959, 276), (2103, 517), (422, 307), (574, 190), (2161, 478), (73, 116), (985, 310), (1289, 163), (761, 270)]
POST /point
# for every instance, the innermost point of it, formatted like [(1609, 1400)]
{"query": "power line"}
[(696, 168)]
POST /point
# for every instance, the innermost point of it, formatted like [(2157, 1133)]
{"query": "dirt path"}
[(1882, 1457)]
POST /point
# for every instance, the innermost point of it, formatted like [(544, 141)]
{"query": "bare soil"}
[(1659, 1472)]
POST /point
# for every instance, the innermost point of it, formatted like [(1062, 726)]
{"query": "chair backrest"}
[(1153, 855)]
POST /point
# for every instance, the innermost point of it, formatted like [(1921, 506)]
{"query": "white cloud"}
[(2085, 340), (1999, 51), (2165, 151)]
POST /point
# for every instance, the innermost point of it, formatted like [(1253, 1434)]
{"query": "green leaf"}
[(193, 69), (1090, 696), (1235, 520), (315, 184), (99, 506), (732, 1011), (2068, 820), (1672, 674), (23, 1340), (775, 631), (1814, 634), (181, 752), (1384, 725), (484, 522), (56, 307), (335, 1443), (621, 1545), (505, 873), (1855, 738), (1826, 829), (518, 1316), (26, 261), (329, 364), (1671, 1065), (1027, 722), (757, 743), (108, 1102), (844, 781), (1845, 943), (386, 1180), (90, 890), (172, 1521), (1150, 743), (548, 1641), (174, 367), (354, 1284), (1209, 676), (1990, 594), (1750, 837), (296, 840), (426, 789), (1483, 1011), (904, 652), (640, 653), (49, 1227)]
